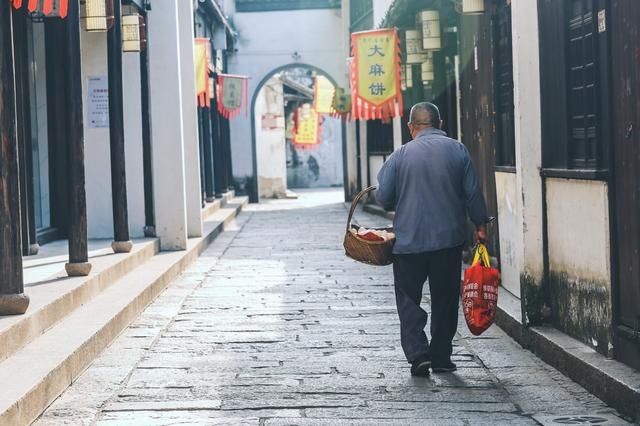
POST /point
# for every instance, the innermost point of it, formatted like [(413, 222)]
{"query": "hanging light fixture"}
[(134, 34), (414, 53), (429, 26), (96, 15), (407, 76), (473, 7), (426, 69)]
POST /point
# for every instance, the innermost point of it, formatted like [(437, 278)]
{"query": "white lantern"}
[(415, 54), (133, 33), (426, 69), (473, 7), (96, 15), (407, 76), (429, 25)]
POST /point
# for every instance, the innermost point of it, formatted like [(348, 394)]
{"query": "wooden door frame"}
[(623, 335)]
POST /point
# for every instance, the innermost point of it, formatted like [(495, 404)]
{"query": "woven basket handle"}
[(355, 202)]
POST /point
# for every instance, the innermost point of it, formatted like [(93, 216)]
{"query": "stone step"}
[(54, 300), (211, 208), (35, 375)]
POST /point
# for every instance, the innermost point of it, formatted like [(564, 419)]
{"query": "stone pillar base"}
[(122, 246), (13, 304), (34, 249), (150, 231), (78, 269)]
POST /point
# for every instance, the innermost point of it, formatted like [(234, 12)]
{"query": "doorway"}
[(41, 123), (298, 143)]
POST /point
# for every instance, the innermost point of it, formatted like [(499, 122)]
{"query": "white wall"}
[(169, 190), (528, 140), (267, 41), (327, 155), (380, 8), (506, 193), (96, 143), (578, 229), (190, 121), (270, 142)]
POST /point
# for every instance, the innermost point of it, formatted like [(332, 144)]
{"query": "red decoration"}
[(49, 8), (232, 93)]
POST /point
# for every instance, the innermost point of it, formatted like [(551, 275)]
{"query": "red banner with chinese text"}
[(376, 75)]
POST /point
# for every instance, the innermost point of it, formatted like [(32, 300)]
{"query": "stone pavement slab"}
[(274, 326)]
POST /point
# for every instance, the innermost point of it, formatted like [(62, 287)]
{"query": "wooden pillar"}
[(149, 217), (78, 245), (208, 154), (23, 117), (12, 298), (121, 242), (216, 138), (226, 153)]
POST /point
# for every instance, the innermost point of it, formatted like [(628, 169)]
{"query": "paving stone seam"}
[(101, 411)]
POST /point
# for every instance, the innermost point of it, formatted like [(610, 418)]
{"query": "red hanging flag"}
[(232, 94)]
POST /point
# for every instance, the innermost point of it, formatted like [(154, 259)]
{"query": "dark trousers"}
[(442, 269)]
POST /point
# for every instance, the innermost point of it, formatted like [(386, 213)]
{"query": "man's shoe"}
[(420, 367), (446, 367)]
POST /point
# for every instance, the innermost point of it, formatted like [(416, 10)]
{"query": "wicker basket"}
[(377, 253)]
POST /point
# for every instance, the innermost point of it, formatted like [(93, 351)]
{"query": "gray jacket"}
[(431, 185)]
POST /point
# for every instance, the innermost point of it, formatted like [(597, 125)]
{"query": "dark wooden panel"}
[(625, 49), (553, 83), (477, 86), (379, 137), (505, 120), (55, 48)]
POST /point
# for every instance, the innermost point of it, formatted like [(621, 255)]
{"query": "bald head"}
[(426, 114), (422, 116)]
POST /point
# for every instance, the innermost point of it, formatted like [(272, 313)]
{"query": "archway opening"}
[(298, 144)]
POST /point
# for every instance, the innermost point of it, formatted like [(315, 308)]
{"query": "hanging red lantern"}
[(44, 8)]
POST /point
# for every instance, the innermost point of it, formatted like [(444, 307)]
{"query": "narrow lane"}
[(274, 326)]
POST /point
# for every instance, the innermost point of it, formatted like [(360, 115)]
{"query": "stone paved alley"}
[(274, 326)]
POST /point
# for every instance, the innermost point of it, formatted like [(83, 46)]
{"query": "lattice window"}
[(506, 155), (582, 84)]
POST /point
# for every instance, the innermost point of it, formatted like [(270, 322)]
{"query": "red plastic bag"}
[(480, 292)]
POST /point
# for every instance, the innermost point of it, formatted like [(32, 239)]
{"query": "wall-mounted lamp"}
[(96, 15), (426, 69), (407, 76), (415, 55), (429, 26), (473, 7), (134, 33)]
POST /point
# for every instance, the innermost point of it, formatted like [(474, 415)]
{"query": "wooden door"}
[(625, 44)]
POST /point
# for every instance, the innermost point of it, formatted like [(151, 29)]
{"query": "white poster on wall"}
[(98, 101)]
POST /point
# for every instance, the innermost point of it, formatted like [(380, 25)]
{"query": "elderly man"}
[(431, 185)]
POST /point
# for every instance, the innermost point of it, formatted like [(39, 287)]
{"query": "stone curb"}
[(611, 381)]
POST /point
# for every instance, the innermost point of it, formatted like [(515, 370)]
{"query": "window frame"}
[(557, 157), (505, 150)]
